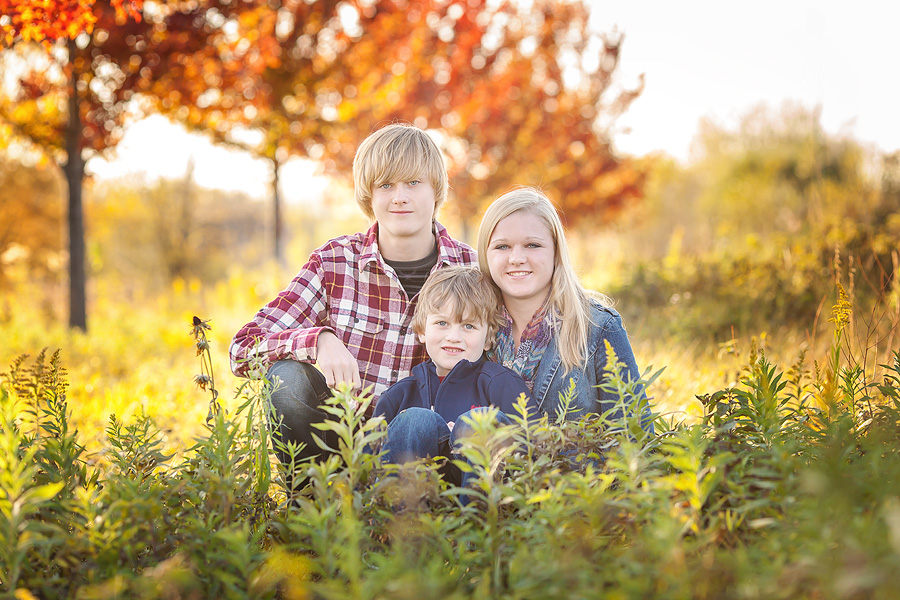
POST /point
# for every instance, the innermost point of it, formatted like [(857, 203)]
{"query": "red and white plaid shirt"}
[(348, 289)]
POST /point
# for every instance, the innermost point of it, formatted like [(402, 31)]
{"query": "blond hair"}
[(470, 293), (570, 301), (397, 152)]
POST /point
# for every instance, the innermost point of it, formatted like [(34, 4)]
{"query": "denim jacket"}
[(550, 381)]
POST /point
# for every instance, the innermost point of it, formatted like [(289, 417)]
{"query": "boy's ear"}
[(421, 337)]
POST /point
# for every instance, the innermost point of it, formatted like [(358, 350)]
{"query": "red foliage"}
[(50, 20), (316, 78)]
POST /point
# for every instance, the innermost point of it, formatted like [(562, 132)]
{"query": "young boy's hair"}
[(467, 291), (397, 152)]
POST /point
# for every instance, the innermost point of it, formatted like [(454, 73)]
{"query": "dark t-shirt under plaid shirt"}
[(346, 288)]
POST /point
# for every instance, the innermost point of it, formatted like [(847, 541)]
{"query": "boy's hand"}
[(335, 361), (450, 425)]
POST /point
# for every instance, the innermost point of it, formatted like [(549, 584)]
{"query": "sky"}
[(719, 59), (700, 58)]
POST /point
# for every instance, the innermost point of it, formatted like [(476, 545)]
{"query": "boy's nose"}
[(399, 195), (453, 334)]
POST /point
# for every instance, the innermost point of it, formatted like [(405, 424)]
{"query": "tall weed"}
[(784, 488)]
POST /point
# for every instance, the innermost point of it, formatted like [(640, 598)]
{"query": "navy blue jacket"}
[(467, 385)]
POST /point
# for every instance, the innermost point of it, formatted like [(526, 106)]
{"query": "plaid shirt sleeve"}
[(288, 326)]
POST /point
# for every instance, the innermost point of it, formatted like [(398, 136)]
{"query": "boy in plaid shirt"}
[(347, 315)]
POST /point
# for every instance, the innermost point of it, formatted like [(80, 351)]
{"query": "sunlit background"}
[(722, 206), (712, 60), (728, 173)]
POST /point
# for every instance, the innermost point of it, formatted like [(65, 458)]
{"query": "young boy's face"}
[(448, 341)]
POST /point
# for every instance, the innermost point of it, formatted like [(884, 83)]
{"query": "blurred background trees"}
[(30, 223), (73, 91), (290, 79), (759, 226), (517, 94), (753, 229)]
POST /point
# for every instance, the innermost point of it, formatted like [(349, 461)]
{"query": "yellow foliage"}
[(137, 355)]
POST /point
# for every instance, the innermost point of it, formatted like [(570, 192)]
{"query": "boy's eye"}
[(441, 323), (386, 186), (470, 327), (415, 182)]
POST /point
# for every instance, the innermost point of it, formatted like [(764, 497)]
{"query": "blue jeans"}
[(421, 433), (295, 404)]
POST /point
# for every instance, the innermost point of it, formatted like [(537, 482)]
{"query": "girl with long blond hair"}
[(554, 329)]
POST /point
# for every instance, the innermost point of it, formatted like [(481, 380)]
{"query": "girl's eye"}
[(501, 247), (534, 245)]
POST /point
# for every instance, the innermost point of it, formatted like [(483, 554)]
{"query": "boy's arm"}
[(505, 390), (289, 326), (387, 403)]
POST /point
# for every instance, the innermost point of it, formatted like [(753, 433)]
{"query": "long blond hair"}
[(570, 301)]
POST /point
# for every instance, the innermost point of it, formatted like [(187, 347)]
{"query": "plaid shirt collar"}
[(370, 255)]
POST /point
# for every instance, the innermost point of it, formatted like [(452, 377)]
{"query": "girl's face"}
[(521, 257)]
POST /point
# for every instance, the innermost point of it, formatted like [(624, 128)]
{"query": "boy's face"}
[(448, 341), (403, 208)]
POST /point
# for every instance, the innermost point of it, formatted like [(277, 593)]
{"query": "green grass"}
[(783, 485)]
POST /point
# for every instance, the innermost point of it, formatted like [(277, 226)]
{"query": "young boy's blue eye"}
[(415, 182)]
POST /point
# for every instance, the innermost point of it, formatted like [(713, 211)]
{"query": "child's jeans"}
[(419, 433)]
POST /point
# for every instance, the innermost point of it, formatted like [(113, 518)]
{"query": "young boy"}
[(349, 310), (456, 318)]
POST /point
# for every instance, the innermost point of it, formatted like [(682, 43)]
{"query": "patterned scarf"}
[(535, 338)]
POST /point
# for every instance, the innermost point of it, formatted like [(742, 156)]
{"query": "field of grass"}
[(767, 478)]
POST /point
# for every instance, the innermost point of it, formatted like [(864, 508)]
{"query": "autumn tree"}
[(74, 89), (47, 21), (262, 82), (524, 97), (518, 94), (284, 80)]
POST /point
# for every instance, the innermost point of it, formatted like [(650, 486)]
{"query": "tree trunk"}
[(74, 171), (278, 221)]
